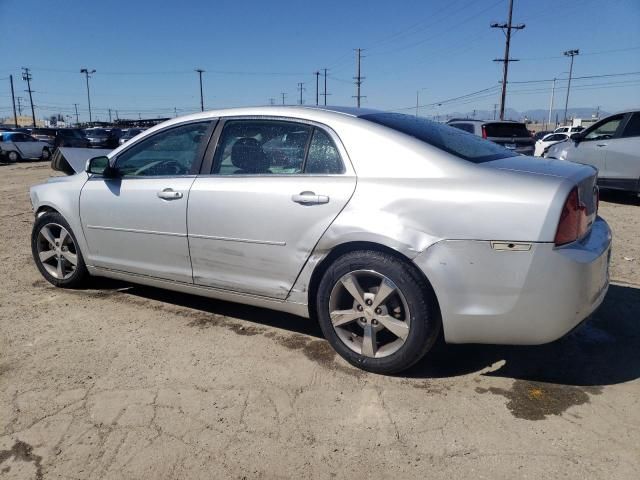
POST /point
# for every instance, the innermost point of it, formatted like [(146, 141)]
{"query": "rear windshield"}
[(506, 130), (451, 140)]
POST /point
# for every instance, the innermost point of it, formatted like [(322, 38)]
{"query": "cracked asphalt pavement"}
[(121, 381)]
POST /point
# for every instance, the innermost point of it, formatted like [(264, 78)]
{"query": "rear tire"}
[(13, 157), (55, 250), (377, 311), (46, 155)]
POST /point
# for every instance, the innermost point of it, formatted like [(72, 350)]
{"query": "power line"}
[(506, 29)]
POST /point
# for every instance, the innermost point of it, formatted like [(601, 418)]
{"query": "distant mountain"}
[(535, 115)]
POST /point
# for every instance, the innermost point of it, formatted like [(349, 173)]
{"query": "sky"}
[(145, 52)]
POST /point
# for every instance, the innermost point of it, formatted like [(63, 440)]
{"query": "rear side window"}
[(467, 127), (323, 156), (633, 126), (506, 130), (444, 137)]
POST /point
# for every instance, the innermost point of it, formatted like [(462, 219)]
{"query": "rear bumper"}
[(517, 297)]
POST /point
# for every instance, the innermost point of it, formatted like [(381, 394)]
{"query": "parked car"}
[(129, 133), (71, 137), (44, 134), (539, 135), (569, 129), (387, 227), (612, 145), (545, 142), (103, 137), (16, 146), (511, 135)]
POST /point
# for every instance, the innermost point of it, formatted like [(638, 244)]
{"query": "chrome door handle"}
[(601, 144), (309, 198), (169, 194)]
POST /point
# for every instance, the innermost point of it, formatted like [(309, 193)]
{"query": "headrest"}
[(247, 155)]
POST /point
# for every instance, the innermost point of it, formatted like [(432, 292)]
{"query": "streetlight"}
[(418, 99), (86, 74), (569, 53)]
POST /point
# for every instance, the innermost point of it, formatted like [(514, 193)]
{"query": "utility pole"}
[(200, 72), (88, 72), (506, 29), (301, 89), (571, 54), (26, 76), (78, 118), (317, 74), (283, 97), (553, 93), (13, 100), (109, 115), (19, 99), (325, 87), (418, 99), (495, 106), (358, 78), (272, 101)]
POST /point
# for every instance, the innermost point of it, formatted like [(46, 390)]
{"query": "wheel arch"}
[(355, 246)]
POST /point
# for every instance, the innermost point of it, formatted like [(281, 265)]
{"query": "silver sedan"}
[(392, 231)]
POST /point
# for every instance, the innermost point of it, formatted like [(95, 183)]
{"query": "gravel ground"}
[(121, 381)]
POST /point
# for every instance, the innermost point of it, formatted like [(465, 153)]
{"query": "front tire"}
[(56, 253), (377, 311), (46, 155)]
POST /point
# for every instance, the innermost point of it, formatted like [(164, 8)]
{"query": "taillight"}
[(573, 222), (484, 131)]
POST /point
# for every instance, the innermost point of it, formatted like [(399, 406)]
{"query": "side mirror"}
[(100, 166), (576, 137)]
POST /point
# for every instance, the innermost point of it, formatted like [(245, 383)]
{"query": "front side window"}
[(444, 137), (171, 152), (467, 127), (633, 126), (258, 147), (604, 130)]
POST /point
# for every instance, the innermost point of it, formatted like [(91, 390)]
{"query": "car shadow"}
[(605, 350), (259, 316), (619, 197)]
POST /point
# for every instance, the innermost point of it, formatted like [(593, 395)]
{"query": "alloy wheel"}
[(369, 313), (57, 251)]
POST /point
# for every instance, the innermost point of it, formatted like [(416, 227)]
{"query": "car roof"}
[(481, 121)]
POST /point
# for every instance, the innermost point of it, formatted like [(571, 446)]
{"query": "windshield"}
[(451, 140), (506, 130)]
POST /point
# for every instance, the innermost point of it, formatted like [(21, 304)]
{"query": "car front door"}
[(136, 221), (592, 147), (274, 189), (623, 156)]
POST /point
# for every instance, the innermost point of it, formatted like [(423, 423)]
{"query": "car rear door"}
[(275, 187), (137, 222), (622, 160)]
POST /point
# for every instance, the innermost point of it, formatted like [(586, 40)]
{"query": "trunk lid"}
[(583, 177)]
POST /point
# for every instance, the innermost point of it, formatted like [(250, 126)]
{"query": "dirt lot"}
[(120, 381)]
